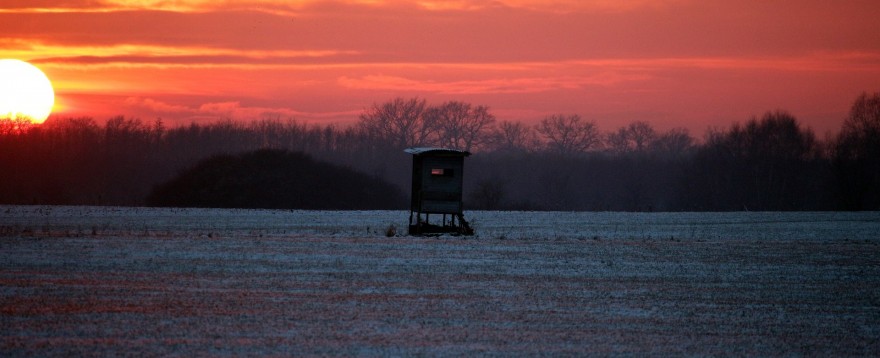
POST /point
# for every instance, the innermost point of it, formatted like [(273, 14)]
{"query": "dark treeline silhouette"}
[(564, 162)]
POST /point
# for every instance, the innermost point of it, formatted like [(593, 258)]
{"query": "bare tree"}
[(674, 143), (864, 117), (762, 165), (636, 137), (15, 124), (81, 131), (125, 132), (269, 132), (461, 125), (641, 134), (511, 136), (568, 134), (617, 142), (400, 123), (857, 155)]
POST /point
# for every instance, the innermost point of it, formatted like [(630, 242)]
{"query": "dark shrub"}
[(275, 179)]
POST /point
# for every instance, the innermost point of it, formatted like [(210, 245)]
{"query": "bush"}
[(275, 179)]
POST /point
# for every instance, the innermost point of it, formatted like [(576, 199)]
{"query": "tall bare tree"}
[(399, 122), (461, 125), (864, 118), (635, 137), (857, 155), (14, 124), (569, 134), (511, 136), (762, 165), (673, 144)]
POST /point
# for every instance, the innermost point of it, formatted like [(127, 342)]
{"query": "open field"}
[(140, 281)]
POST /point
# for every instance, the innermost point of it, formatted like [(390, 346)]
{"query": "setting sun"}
[(25, 91)]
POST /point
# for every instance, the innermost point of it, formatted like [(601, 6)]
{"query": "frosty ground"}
[(143, 281)]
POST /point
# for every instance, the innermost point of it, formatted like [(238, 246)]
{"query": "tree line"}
[(563, 162)]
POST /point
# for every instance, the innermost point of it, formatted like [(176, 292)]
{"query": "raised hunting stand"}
[(437, 177)]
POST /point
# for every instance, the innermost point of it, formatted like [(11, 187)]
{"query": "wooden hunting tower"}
[(437, 177)]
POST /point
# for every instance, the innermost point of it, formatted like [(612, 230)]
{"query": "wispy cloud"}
[(590, 5), (294, 8), (40, 51), (107, 6), (276, 7), (158, 56), (224, 110), (488, 86), (156, 106), (820, 61)]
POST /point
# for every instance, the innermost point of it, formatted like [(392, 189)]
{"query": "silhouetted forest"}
[(564, 162)]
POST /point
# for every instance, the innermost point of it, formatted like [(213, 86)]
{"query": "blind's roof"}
[(437, 151)]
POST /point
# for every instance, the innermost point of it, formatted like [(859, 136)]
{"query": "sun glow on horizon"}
[(25, 91)]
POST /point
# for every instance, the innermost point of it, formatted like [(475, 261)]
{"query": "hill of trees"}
[(275, 179), (563, 162)]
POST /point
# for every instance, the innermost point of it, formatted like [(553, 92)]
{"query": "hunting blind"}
[(437, 178)]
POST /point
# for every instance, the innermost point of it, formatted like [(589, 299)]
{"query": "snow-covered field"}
[(144, 281)]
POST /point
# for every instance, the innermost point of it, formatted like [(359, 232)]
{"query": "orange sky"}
[(690, 63)]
